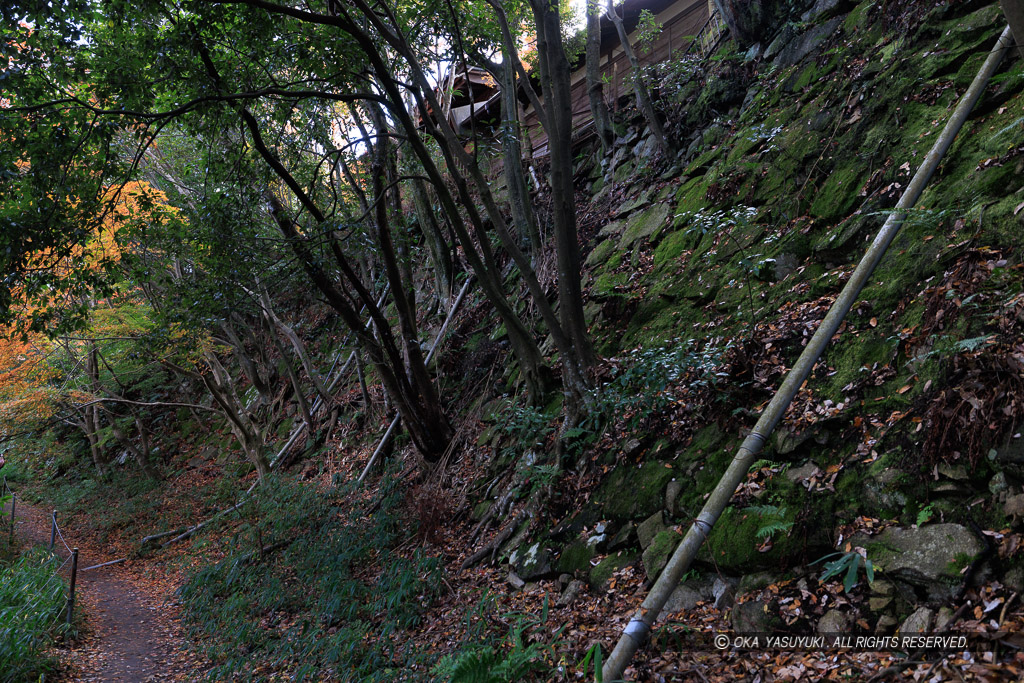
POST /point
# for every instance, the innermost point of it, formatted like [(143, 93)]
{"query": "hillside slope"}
[(889, 500)]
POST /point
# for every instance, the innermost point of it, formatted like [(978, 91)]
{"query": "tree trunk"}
[(555, 85), (643, 97), (136, 453), (222, 388), (296, 342), (90, 422), (437, 246), (595, 81), (421, 396), (249, 368), (145, 462), (293, 377), (363, 389), (523, 216)]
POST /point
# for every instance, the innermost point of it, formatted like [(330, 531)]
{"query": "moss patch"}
[(644, 224), (575, 557), (837, 196), (602, 573), (600, 253), (734, 545), (661, 548), (634, 492)]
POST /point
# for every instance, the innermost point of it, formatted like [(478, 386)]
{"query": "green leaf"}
[(851, 577)]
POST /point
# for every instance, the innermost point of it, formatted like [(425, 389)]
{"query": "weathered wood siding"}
[(680, 23)]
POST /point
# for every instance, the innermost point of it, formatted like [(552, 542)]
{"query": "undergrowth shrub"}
[(639, 386), (311, 586), (525, 653), (647, 383), (84, 497), (32, 601), (432, 507)]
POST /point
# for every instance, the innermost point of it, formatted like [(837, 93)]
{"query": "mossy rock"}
[(931, 556), (640, 201), (837, 196), (602, 573), (285, 428), (606, 283), (480, 509), (644, 224), (852, 354), (692, 196), (486, 435), (600, 253), (671, 247), (624, 172), (656, 556), (575, 557), (733, 545), (634, 492), (857, 19)]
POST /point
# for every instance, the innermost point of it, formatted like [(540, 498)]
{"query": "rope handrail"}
[(67, 612), (60, 536)]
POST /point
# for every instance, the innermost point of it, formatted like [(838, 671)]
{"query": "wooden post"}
[(71, 590), (53, 529), (13, 502)]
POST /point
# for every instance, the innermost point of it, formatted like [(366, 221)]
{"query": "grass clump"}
[(311, 585), (32, 600)]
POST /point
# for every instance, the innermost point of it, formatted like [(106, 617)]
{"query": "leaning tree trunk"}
[(90, 420), (437, 245), (140, 457), (643, 97), (595, 82), (421, 394), (222, 388), (296, 342), (512, 152)]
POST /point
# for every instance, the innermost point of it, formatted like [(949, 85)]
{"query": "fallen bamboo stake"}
[(639, 627), (191, 530), (103, 564), (162, 534), (430, 355), (318, 403)]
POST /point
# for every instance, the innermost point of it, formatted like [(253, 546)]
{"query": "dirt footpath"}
[(132, 633)]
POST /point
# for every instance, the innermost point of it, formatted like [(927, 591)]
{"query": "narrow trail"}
[(132, 631)]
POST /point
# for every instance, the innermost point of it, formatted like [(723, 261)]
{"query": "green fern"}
[(773, 520), (972, 344), (476, 667)]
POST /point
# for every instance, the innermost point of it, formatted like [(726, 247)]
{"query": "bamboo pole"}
[(639, 627)]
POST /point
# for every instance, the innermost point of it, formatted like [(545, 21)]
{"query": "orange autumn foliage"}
[(26, 394), (27, 391), (131, 202)]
